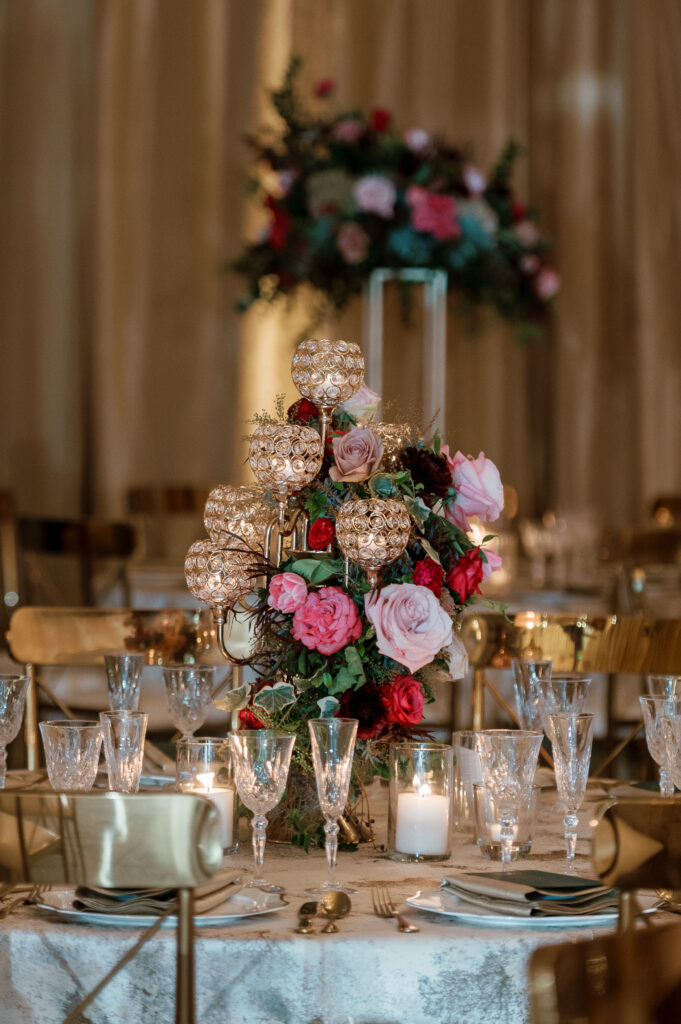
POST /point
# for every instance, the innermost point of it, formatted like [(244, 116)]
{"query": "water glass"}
[(466, 773), (664, 686), (123, 733), (562, 693), (205, 765), (662, 719), (509, 762), (12, 701), (488, 824), (72, 749), (123, 671), (526, 677), (333, 747), (419, 811), (571, 739), (262, 758), (189, 694)]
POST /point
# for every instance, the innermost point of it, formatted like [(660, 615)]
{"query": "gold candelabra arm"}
[(220, 620)]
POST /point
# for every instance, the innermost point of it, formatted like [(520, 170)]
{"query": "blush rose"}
[(403, 700), (411, 625), (479, 490), (374, 193), (491, 565), (288, 592), (358, 454), (327, 621), (363, 405)]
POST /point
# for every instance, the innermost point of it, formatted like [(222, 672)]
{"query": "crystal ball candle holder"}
[(217, 576), (240, 511), (327, 372), (373, 532), (395, 437), (285, 457)]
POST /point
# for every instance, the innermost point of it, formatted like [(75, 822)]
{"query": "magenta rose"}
[(374, 193), (433, 213), (327, 621), (348, 130), (358, 454), (353, 242), (288, 591), (411, 625), (479, 490), (403, 700), (491, 565)]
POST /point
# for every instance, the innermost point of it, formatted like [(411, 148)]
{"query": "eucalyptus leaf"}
[(235, 700), (327, 706), (275, 698), (354, 663)]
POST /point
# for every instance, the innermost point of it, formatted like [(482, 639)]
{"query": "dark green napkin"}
[(526, 893)]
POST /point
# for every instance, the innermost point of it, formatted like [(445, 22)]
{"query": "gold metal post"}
[(184, 979), (31, 721), (478, 698), (627, 915)]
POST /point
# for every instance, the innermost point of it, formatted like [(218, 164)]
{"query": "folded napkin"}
[(156, 901), (532, 893)]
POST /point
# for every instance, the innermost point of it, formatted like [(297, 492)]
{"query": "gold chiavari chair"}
[(116, 841), (633, 977)]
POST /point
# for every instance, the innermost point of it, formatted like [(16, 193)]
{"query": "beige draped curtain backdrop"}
[(121, 192)]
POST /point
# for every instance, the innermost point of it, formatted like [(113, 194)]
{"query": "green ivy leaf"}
[(418, 510), (354, 663), (342, 681), (235, 700), (275, 698), (317, 570), (327, 706)]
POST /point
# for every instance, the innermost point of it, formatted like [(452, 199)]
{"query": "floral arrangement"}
[(346, 194)]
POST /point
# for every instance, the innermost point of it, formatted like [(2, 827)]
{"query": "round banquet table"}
[(259, 971)]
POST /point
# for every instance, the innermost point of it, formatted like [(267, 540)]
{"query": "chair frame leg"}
[(185, 1008), (31, 720)]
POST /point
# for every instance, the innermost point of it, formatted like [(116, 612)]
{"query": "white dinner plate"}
[(449, 905), (246, 903)]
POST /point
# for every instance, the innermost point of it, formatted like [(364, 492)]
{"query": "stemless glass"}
[(526, 677), (562, 693), (189, 693), (123, 671), (261, 762), (12, 700), (509, 762), (72, 749), (333, 746), (123, 733), (660, 714), (571, 738)]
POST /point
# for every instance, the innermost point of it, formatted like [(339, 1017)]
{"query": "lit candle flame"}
[(206, 780), (422, 788)]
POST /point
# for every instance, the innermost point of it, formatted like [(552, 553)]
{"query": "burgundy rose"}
[(324, 87), (428, 573), (248, 719), (281, 222), (302, 411), (403, 700), (367, 707), (465, 577), (428, 469), (321, 534), (380, 120), (518, 211)]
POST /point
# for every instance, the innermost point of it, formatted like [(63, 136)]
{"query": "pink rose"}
[(358, 454), (327, 621), (433, 213), (529, 264), (526, 232), (288, 591), (479, 490), (375, 193), (491, 565), (474, 180), (547, 283), (417, 140), (353, 242), (411, 625), (348, 130), (363, 405)]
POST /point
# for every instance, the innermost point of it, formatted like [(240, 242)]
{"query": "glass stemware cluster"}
[(662, 719)]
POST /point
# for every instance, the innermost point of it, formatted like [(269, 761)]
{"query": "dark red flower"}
[(518, 211), (428, 573), (367, 707), (281, 223), (302, 411), (403, 700), (324, 87), (428, 469), (465, 577), (380, 120), (321, 534), (248, 719)]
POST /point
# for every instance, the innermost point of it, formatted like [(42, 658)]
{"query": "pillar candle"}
[(422, 824)]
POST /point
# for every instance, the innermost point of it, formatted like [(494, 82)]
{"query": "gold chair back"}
[(636, 844)]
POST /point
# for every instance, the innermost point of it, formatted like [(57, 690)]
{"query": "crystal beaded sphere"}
[(217, 575), (327, 372), (374, 532), (395, 437), (285, 457), (237, 510)]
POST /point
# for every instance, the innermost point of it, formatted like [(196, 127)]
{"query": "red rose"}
[(366, 705), (428, 573), (403, 700), (324, 87), (380, 120), (281, 222), (466, 576), (518, 211), (302, 411), (248, 719), (321, 534)]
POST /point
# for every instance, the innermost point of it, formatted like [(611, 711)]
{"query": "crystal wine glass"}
[(189, 693), (526, 677), (12, 700), (571, 739), (664, 686), (561, 693), (123, 671), (509, 762), (659, 715), (333, 746), (261, 762)]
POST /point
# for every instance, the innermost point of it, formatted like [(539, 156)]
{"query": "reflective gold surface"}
[(636, 844)]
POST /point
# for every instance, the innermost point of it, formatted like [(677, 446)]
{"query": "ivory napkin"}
[(156, 901), (532, 893)]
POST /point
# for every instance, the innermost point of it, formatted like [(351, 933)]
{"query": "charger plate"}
[(246, 903), (449, 905)]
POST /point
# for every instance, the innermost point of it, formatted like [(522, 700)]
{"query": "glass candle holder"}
[(240, 511), (488, 824), (372, 533), (219, 576), (326, 371), (204, 765), (395, 437), (419, 812), (285, 457)]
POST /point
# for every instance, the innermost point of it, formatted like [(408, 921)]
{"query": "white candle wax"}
[(494, 831), (223, 801), (422, 825)]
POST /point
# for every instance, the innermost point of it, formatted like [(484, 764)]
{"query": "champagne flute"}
[(562, 693), (12, 700), (333, 746), (262, 758), (509, 762), (527, 675), (660, 715), (571, 740)]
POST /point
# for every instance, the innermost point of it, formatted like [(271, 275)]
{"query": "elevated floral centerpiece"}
[(353, 562), (345, 193)]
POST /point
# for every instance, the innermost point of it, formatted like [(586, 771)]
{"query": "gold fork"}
[(384, 907)]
